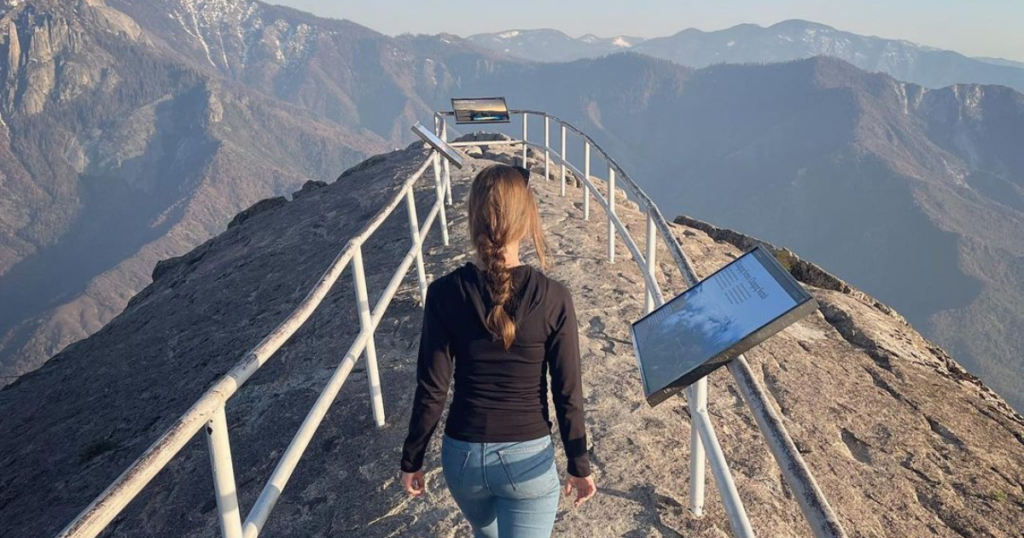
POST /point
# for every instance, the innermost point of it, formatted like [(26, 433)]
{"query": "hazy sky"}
[(972, 27)]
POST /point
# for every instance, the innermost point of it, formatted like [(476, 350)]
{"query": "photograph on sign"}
[(480, 110), (430, 138), (731, 311)]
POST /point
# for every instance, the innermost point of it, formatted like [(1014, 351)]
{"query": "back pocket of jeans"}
[(530, 469)]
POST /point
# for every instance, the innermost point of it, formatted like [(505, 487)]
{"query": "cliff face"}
[(902, 441), (131, 131), (340, 71), (115, 154)]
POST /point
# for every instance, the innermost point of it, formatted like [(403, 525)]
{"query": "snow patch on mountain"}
[(901, 92), (230, 32), (550, 45)]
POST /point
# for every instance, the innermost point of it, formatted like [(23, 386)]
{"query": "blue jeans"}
[(509, 490)]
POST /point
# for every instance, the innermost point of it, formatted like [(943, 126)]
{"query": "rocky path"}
[(901, 440)]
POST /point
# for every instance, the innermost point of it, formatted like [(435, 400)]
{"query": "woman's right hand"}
[(585, 489), (414, 483)]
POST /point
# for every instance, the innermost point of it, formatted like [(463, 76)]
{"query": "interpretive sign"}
[(726, 314), (430, 138), (480, 110)]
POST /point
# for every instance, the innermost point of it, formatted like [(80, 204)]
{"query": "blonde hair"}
[(502, 210)]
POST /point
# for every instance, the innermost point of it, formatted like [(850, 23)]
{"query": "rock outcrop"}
[(899, 440)]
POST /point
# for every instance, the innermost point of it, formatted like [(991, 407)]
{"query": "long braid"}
[(499, 286), (501, 211)]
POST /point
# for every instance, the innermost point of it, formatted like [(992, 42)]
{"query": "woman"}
[(502, 327)]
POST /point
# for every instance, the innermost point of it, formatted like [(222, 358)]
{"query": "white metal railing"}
[(209, 409)]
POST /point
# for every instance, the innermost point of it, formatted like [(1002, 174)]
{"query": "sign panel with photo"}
[(705, 327), (480, 110)]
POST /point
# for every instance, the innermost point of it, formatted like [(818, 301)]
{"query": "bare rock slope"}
[(902, 441)]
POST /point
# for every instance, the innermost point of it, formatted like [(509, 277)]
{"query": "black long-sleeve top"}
[(499, 396)]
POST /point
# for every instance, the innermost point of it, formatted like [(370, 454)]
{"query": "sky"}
[(972, 27)]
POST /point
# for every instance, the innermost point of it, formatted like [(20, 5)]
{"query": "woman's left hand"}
[(414, 483), (585, 489)]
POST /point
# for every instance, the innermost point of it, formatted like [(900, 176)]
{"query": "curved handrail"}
[(680, 257), (682, 260)]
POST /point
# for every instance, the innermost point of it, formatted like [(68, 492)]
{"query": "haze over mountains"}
[(547, 45), (136, 129), (782, 42)]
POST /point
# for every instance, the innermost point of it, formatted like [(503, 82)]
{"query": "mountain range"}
[(135, 129), (785, 41), (546, 45)]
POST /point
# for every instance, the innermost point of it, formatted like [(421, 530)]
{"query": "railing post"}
[(447, 165), (652, 250), (414, 231), (439, 186), (223, 475), (563, 158), (697, 399), (363, 304), (547, 148), (611, 213), (525, 132), (723, 477), (586, 184)]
